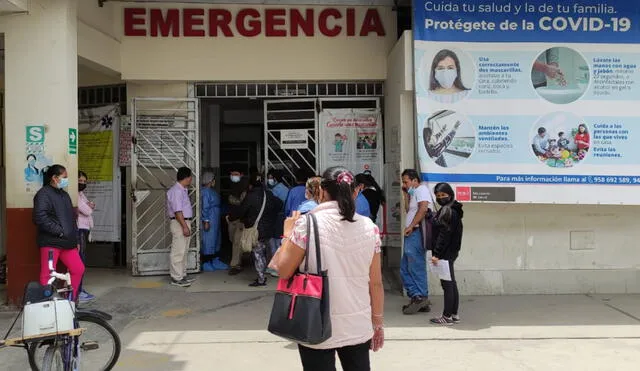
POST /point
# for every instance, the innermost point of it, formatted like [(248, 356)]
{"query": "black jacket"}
[(54, 216), (374, 199), (447, 236), (250, 209)]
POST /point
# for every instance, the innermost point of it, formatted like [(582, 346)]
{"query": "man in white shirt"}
[(413, 267)]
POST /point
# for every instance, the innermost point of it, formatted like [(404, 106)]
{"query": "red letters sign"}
[(250, 22)]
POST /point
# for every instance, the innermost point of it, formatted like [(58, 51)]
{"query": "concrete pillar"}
[(41, 69)]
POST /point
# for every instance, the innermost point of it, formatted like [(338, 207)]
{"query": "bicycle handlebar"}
[(51, 268), (55, 275)]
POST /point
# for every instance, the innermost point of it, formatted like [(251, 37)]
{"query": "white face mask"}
[(271, 182), (235, 179), (446, 78)]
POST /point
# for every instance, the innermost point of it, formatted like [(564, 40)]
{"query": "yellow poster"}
[(95, 155)]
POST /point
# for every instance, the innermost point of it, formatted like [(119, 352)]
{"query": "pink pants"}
[(70, 258)]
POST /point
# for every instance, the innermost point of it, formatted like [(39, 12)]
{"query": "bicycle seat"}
[(34, 292)]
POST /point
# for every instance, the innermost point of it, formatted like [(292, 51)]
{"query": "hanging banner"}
[(97, 147), (352, 138), (529, 101)]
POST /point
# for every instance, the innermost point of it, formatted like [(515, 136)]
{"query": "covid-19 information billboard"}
[(529, 101)]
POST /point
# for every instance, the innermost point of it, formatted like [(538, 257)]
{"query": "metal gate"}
[(165, 137), (286, 123), (290, 136)]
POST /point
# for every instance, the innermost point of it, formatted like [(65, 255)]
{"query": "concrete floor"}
[(219, 323)]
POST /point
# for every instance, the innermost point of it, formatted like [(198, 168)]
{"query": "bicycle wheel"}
[(99, 344), (52, 360), (43, 353)]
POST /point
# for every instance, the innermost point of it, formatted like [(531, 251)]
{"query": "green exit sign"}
[(73, 141)]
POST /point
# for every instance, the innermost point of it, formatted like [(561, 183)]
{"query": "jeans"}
[(413, 266), (352, 358), (451, 295)]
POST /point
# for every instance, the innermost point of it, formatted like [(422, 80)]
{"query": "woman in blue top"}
[(312, 193), (210, 211)]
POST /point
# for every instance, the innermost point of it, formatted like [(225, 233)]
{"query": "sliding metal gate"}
[(290, 136), (165, 136)]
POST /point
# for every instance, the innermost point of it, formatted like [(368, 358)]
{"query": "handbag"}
[(249, 238), (301, 307)]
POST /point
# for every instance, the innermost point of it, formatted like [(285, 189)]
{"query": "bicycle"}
[(71, 344)]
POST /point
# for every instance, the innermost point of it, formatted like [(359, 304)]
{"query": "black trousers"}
[(451, 295), (352, 358), (83, 240)]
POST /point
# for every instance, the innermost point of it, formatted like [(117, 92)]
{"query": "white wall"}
[(398, 118), (88, 76), (258, 58), (97, 41), (549, 249), (526, 248)]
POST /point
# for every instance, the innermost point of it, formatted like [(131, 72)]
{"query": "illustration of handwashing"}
[(560, 75)]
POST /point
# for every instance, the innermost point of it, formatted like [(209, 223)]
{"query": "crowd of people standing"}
[(245, 211), (268, 219)]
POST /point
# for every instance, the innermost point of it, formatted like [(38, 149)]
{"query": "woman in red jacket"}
[(582, 139)]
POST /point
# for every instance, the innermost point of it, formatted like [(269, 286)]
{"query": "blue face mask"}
[(64, 183), (411, 191)]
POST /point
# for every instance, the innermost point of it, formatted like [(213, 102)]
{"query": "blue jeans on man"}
[(413, 271)]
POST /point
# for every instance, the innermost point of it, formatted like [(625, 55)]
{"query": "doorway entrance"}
[(165, 137), (255, 127)]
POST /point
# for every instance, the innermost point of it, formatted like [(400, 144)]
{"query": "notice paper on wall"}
[(529, 102), (97, 150)]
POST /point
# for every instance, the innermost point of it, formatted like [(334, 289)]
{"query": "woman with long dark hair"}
[(372, 191), (350, 254), (582, 139), (445, 78), (447, 239), (54, 216)]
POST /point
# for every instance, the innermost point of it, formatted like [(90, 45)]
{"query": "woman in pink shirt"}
[(350, 251), (85, 223)]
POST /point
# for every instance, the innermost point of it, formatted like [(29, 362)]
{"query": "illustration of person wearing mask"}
[(31, 173), (434, 143), (445, 83)]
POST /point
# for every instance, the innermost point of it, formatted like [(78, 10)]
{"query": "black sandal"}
[(257, 283)]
